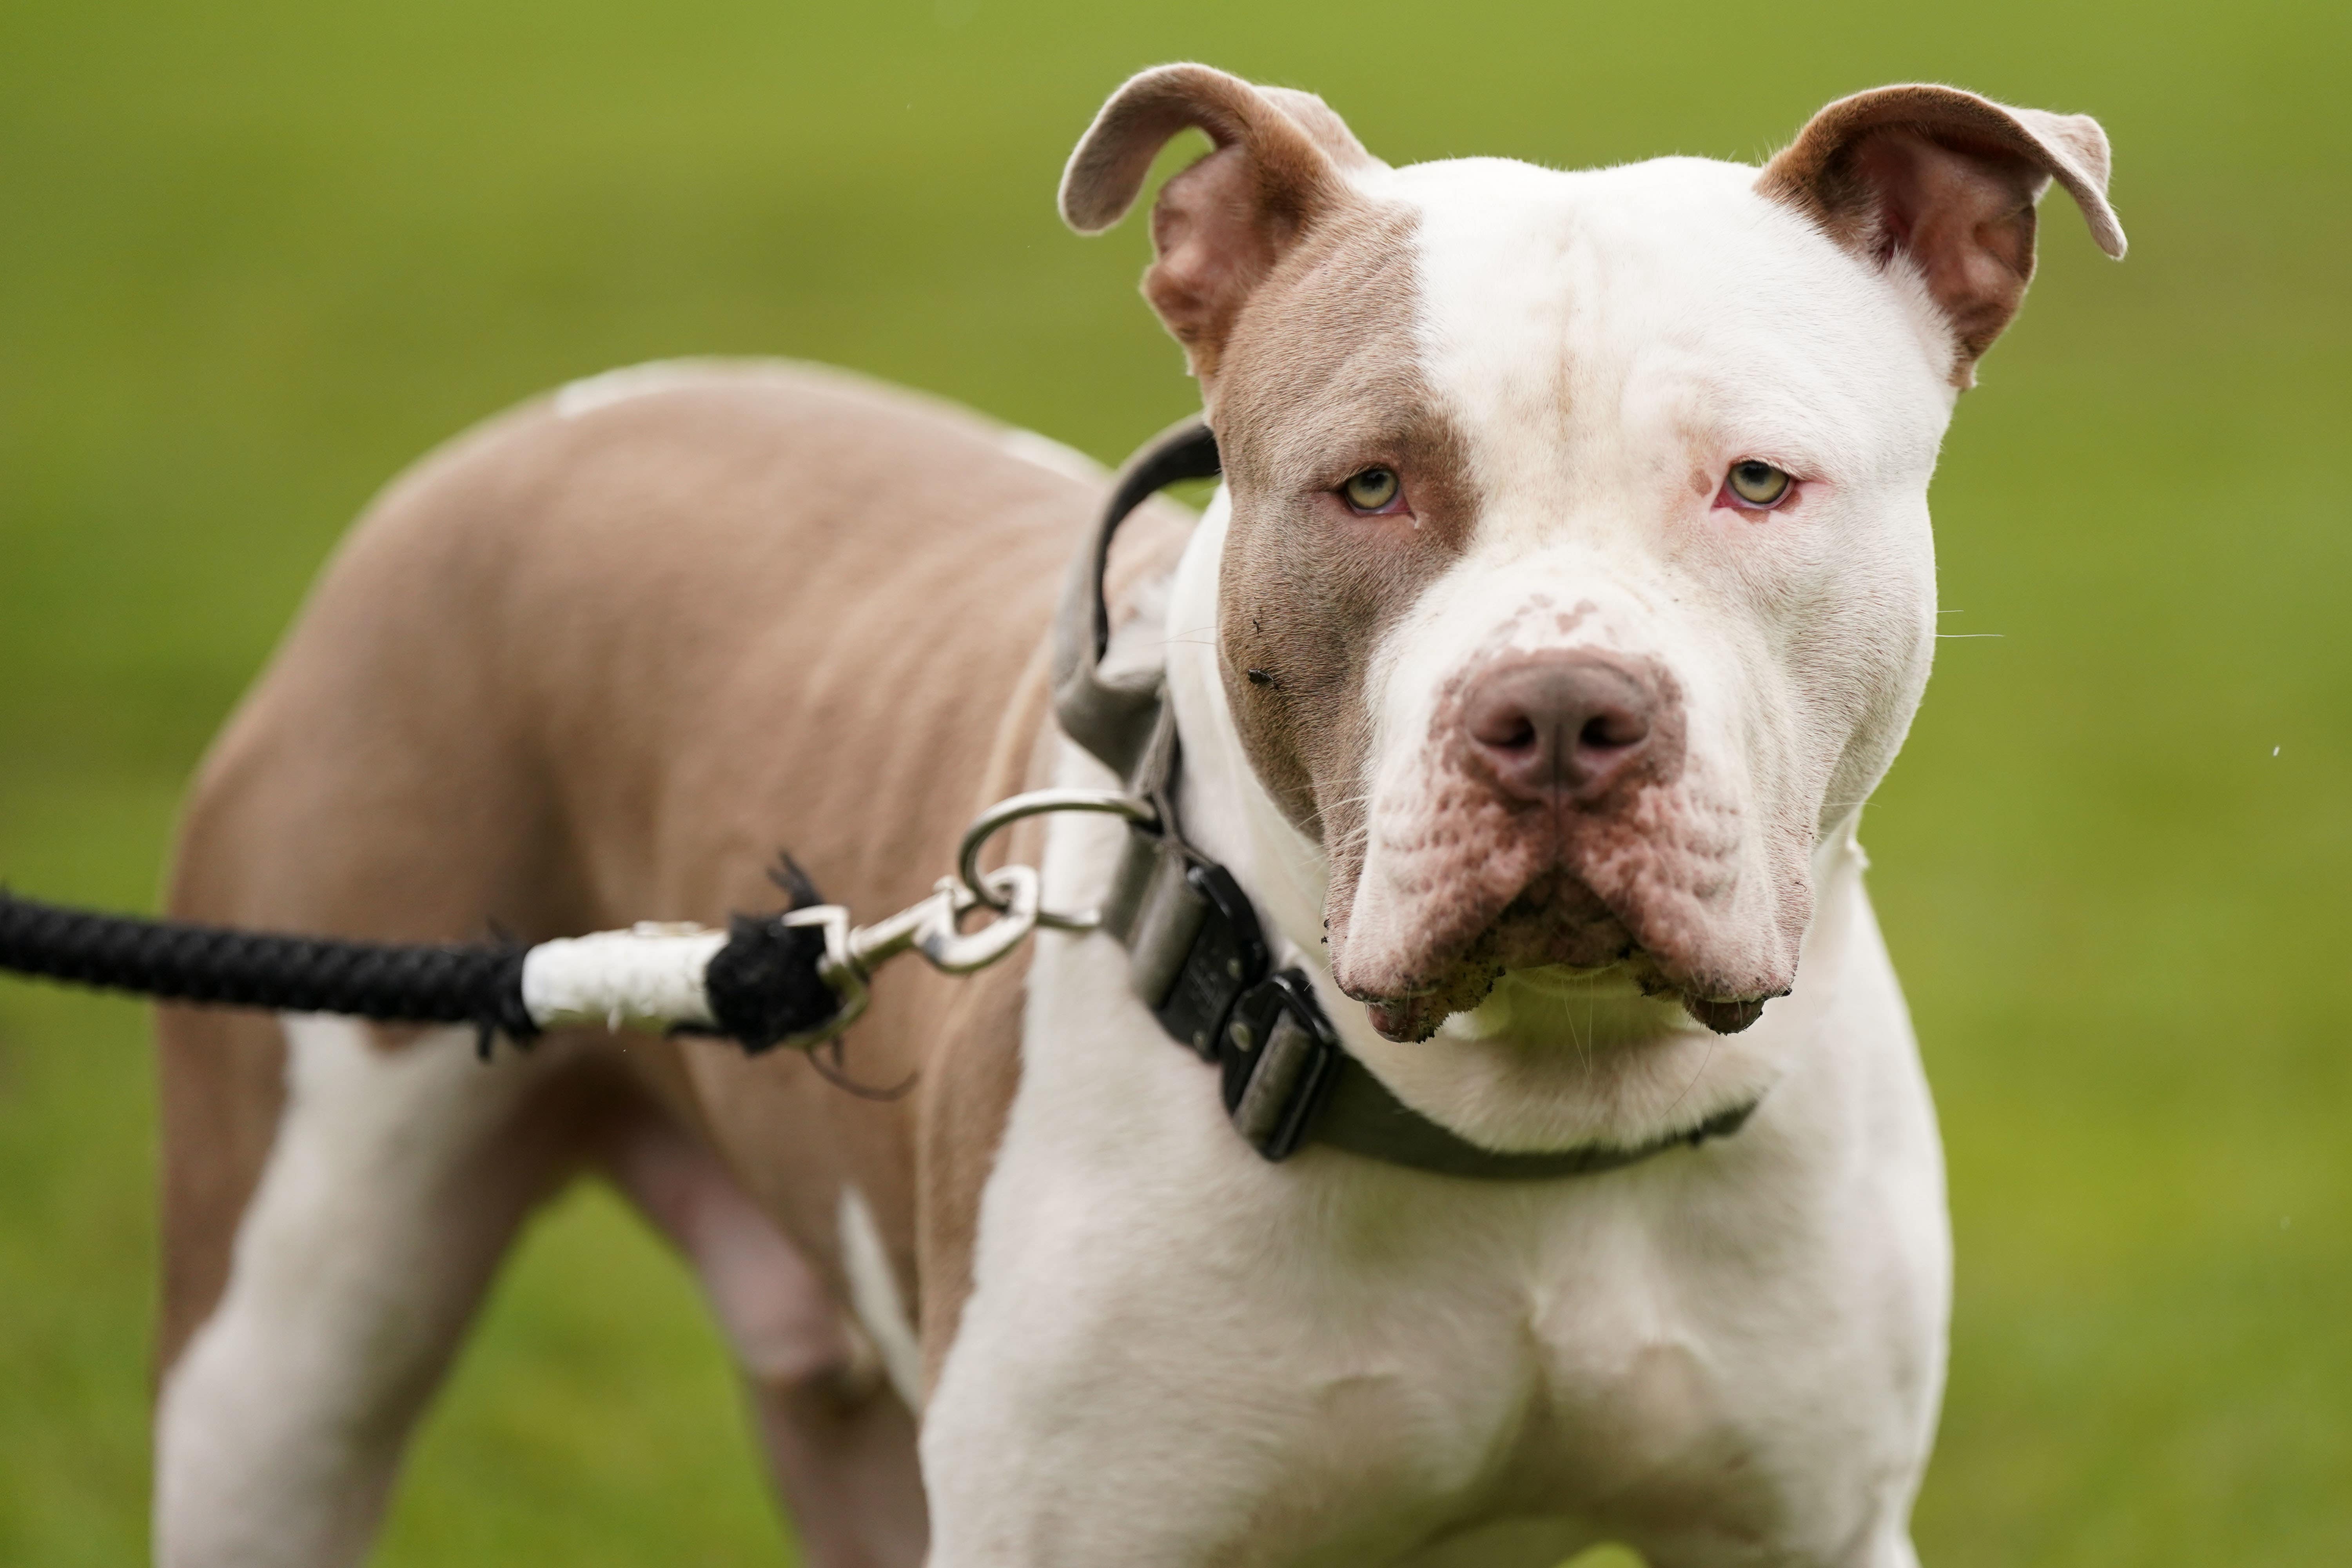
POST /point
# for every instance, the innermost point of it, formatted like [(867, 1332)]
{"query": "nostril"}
[(1612, 731), (1511, 732)]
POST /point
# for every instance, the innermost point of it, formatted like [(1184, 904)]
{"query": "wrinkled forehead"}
[(1663, 291), (1544, 317), (1666, 293)]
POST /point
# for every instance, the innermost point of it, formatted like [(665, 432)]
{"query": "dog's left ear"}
[(1278, 165), (1950, 181)]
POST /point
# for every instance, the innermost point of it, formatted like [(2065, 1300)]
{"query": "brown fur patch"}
[(1324, 380)]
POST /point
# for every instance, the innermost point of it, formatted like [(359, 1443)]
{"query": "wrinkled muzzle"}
[(1557, 813)]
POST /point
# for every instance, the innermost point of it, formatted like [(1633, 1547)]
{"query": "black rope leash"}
[(798, 978), (764, 984), (178, 960)]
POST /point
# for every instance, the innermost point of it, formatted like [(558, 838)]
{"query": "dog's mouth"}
[(1557, 925)]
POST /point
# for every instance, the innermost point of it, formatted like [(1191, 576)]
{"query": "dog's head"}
[(1578, 577)]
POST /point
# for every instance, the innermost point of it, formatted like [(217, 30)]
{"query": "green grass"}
[(254, 258)]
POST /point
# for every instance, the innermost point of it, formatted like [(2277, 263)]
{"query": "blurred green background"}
[(255, 259)]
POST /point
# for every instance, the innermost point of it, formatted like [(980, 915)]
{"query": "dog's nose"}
[(1552, 727)]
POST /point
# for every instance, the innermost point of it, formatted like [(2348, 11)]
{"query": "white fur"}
[(272, 1444), (874, 1297), (1176, 1354), (1052, 456), (1699, 323), (608, 387)]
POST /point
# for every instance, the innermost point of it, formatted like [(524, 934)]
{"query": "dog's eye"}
[(1370, 491), (1758, 483)]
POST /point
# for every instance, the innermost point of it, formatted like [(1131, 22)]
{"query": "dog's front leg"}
[(1175, 1353), (1078, 1416)]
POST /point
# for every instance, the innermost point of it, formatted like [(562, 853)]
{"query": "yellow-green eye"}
[(1758, 483), (1370, 491)]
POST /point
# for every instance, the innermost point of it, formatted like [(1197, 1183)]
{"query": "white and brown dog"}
[(1570, 590)]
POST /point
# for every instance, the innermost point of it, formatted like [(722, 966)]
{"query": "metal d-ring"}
[(1039, 803)]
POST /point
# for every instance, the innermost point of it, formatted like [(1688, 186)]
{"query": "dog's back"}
[(600, 661)]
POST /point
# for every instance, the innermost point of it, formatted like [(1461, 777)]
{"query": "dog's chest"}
[(1177, 1353), (1536, 1354), (1338, 1356)]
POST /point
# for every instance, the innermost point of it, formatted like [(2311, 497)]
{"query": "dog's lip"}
[(1637, 974), (1406, 1015), (1559, 978), (1413, 1006), (1563, 979)]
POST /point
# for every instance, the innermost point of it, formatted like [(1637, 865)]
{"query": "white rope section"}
[(649, 976)]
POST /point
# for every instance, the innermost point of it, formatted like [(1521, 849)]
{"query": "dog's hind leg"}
[(399, 1171), (840, 1441)]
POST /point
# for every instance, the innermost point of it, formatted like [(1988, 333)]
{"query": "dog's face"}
[(1578, 577)]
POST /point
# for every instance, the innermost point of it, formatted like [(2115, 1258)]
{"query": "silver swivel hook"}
[(933, 927)]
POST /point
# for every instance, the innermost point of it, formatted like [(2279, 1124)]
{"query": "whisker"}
[(1704, 1062)]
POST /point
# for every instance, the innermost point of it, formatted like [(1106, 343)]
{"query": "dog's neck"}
[(1546, 1061)]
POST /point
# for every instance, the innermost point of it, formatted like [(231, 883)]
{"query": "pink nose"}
[(1558, 727)]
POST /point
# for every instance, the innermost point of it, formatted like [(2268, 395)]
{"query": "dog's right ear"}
[(1279, 162)]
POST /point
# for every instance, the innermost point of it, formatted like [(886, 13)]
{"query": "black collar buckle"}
[(1200, 962), (1280, 1058)]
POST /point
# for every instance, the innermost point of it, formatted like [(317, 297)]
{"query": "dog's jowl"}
[(1569, 589)]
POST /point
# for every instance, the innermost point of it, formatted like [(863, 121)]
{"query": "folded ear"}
[(1948, 179), (1278, 165)]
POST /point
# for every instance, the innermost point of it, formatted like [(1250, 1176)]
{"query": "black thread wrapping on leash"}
[(768, 982), (177, 961), (764, 983)]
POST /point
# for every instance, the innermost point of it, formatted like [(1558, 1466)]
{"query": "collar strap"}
[(1199, 958), (1200, 962), (1112, 717)]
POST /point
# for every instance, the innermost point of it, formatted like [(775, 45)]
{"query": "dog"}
[(1569, 589)]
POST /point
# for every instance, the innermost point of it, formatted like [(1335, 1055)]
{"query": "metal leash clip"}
[(933, 926)]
